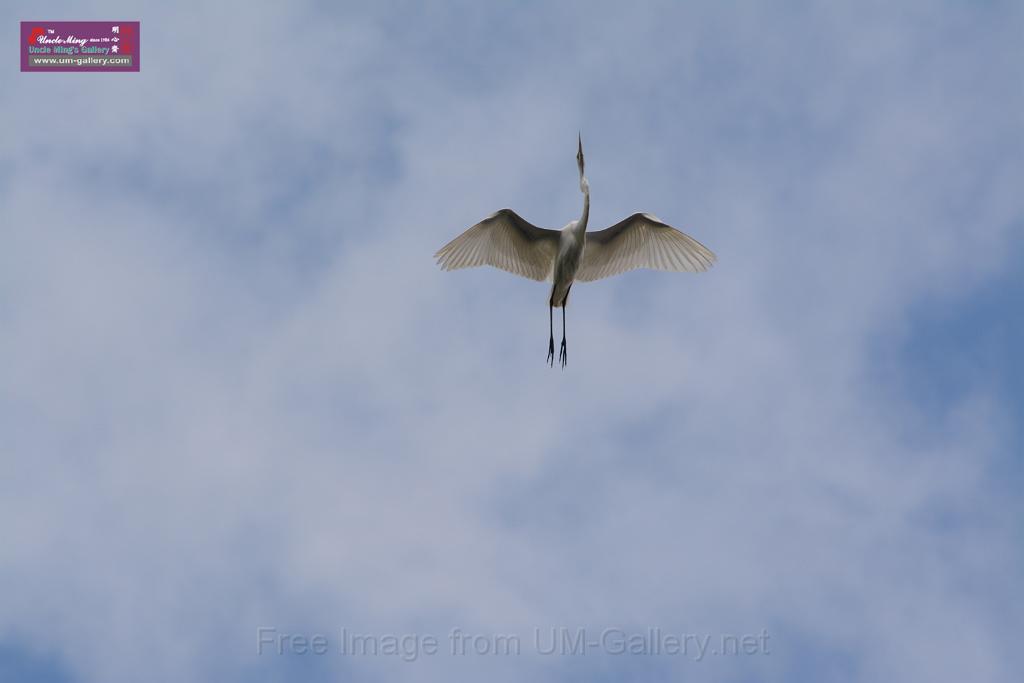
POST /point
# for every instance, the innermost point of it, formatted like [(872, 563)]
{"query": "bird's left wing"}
[(641, 241), (503, 240)]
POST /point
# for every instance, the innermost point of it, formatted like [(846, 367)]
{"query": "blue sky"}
[(238, 392)]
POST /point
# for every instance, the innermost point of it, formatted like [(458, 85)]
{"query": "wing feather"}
[(506, 241), (641, 241)]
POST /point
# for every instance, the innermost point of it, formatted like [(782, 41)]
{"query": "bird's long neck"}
[(581, 227)]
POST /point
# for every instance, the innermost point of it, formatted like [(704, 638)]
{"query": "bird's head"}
[(579, 155)]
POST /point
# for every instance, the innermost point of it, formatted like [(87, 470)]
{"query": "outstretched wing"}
[(503, 240), (641, 241)]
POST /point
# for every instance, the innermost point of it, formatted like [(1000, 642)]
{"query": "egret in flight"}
[(505, 240)]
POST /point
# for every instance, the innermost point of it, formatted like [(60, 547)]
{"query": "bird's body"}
[(505, 240), (570, 252), (572, 241)]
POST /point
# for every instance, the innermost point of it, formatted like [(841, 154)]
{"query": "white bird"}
[(505, 240)]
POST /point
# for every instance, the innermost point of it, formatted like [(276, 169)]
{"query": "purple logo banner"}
[(79, 46)]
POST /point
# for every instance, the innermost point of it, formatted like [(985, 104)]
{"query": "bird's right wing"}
[(503, 240), (641, 241)]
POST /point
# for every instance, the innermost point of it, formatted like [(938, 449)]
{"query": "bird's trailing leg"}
[(562, 355), (551, 329)]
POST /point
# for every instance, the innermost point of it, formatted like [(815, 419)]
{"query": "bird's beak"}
[(580, 138)]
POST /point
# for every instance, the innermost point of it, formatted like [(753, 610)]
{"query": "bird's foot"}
[(551, 352), (562, 355)]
